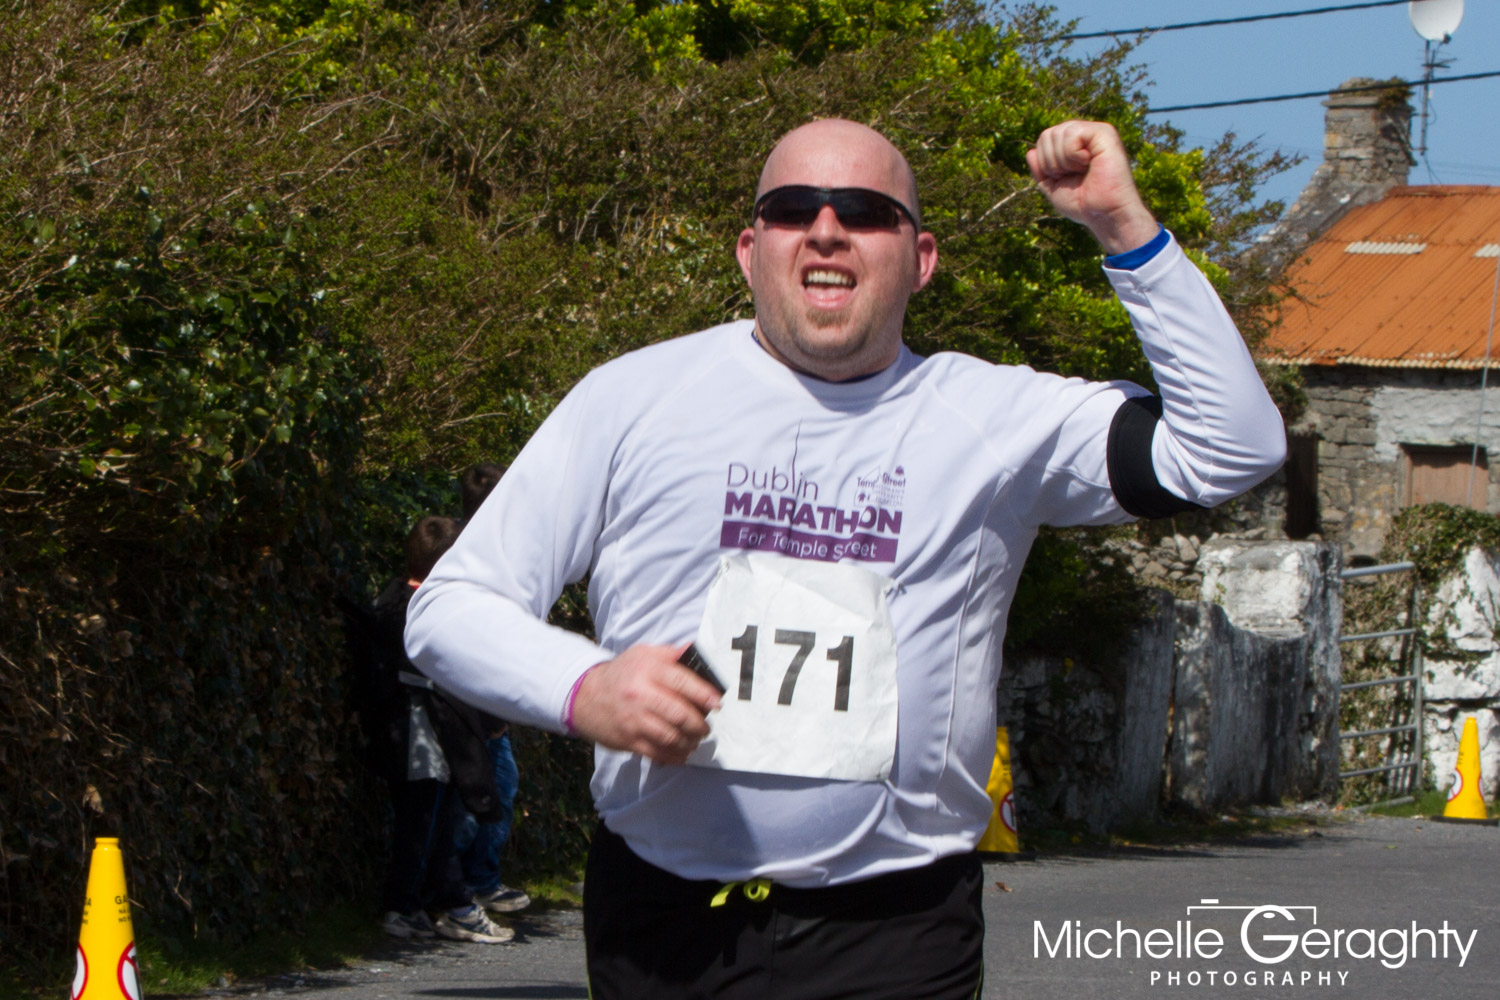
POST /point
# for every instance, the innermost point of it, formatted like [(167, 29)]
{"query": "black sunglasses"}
[(856, 208)]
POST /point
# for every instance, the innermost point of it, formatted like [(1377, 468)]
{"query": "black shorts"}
[(913, 935)]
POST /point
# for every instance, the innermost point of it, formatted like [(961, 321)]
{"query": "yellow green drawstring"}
[(757, 890)]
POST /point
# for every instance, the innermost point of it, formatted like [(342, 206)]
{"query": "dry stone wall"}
[(1258, 671), (1200, 709), (1466, 682), (1087, 740), (1231, 724)]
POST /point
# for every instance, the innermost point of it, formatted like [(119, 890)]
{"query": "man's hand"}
[(644, 701), (1083, 169)]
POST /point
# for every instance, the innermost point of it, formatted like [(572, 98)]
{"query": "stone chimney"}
[(1366, 152)]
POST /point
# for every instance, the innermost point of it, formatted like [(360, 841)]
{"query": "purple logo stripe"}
[(805, 545)]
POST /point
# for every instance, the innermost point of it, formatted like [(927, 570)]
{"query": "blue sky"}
[(1305, 54)]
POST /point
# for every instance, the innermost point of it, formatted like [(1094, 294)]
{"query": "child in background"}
[(481, 845), (424, 744)]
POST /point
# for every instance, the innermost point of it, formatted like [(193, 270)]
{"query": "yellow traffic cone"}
[(1465, 801), (106, 942), (1000, 837)]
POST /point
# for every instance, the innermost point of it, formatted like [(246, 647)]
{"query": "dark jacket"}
[(383, 702)]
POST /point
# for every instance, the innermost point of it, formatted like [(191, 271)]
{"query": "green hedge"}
[(176, 465)]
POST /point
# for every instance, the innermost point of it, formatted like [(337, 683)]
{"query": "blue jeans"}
[(481, 844)]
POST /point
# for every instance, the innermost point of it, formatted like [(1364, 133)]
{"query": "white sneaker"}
[(408, 925), (473, 925), (503, 900)]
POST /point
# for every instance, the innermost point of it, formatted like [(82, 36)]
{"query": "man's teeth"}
[(829, 278)]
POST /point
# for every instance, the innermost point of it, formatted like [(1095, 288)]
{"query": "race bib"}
[(807, 654)]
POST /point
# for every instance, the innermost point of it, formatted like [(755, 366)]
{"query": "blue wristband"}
[(1132, 259)]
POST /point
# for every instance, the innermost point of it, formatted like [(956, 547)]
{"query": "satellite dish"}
[(1435, 20)]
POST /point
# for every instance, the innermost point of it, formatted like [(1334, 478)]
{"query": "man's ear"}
[(927, 257), (743, 250)]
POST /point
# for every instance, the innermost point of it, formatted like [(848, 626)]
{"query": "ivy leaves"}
[(201, 372)]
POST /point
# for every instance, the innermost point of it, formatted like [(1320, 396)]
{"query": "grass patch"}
[(333, 938), (557, 890), (329, 939), (1429, 803)]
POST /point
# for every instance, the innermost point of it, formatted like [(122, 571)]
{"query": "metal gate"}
[(1409, 671)]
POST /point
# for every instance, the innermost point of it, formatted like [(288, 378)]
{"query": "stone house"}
[(1389, 321)]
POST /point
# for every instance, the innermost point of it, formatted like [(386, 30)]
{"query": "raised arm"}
[(1215, 432)]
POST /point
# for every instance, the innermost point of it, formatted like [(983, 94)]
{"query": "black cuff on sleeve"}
[(1128, 454)]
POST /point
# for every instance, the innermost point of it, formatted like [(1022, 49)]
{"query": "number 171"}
[(842, 654)]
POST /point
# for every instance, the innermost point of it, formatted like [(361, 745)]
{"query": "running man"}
[(837, 525)]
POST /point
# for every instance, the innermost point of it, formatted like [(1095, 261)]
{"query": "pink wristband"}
[(573, 697)]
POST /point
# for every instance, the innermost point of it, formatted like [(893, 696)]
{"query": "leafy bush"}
[(178, 449), (1437, 537)]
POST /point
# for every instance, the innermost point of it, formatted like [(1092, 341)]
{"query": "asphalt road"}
[(1356, 902)]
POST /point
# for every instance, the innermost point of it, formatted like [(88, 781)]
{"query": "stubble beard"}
[(791, 334), (825, 319)]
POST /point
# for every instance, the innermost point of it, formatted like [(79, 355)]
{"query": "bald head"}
[(830, 294), (833, 152)]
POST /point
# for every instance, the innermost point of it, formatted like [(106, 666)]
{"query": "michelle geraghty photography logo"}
[(1265, 936)]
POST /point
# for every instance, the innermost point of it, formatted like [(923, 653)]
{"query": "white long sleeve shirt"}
[(935, 472)]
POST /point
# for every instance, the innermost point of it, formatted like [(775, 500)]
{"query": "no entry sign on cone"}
[(1465, 803), (107, 967), (1001, 836)]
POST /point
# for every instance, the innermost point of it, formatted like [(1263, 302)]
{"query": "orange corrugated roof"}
[(1406, 282)]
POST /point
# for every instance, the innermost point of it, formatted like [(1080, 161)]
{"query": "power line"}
[(1226, 20), (1321, 93)]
